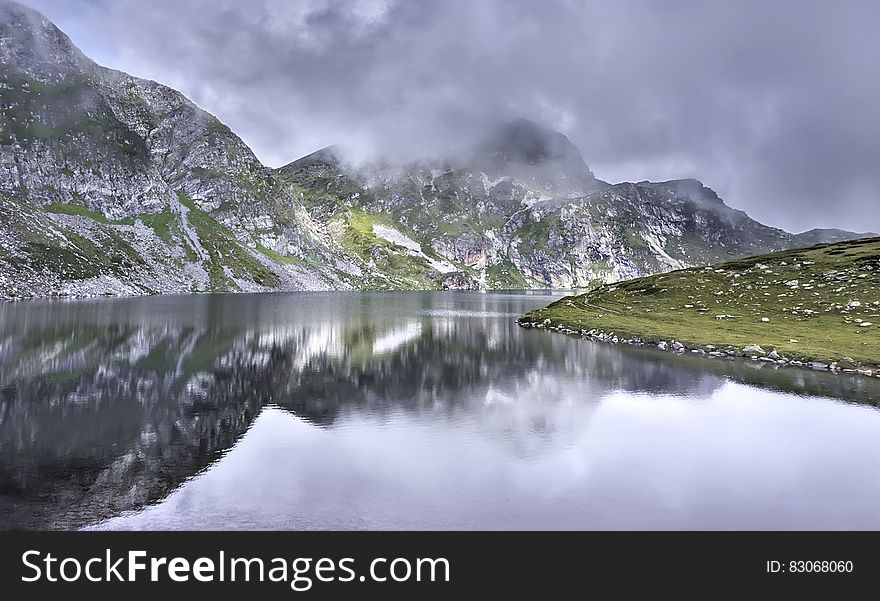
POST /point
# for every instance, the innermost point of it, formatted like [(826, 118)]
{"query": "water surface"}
[(407, 411)]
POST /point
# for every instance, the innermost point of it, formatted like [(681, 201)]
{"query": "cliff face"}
[(110, 184), (114, 184)]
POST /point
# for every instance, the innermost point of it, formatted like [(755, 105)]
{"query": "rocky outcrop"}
[(460, 281), (96, 163)]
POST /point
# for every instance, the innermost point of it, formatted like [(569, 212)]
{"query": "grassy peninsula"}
[(817, 306)]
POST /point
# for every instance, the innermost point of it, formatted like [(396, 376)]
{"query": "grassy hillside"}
[(819, 304), (67, 249)]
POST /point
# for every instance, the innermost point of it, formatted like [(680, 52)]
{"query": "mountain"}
[(114, 184), (526, 151), (524, 210), (111, 184), (826, 236)]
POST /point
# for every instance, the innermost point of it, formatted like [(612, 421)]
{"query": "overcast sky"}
[(776, 105)]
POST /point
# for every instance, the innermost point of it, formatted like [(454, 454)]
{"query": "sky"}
[(775, 105)]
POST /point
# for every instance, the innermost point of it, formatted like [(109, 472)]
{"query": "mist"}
[(774, 105)]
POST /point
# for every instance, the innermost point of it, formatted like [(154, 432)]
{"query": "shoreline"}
[(107, 295), (750, 352)]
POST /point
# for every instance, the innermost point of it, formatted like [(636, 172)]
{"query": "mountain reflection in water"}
[(107, 406)]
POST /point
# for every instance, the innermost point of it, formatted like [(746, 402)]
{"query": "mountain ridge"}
[(113, 184)]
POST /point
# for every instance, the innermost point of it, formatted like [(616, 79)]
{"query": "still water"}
[(407, 411)]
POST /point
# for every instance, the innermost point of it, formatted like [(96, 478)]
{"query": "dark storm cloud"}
[(774, 104)]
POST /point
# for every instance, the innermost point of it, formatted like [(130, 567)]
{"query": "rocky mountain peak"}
[(696, 191), (36, 46), (825, 236), (528, 151), (328, 156), (525, 142)]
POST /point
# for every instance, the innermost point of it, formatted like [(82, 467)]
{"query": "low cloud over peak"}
[(774, 105)]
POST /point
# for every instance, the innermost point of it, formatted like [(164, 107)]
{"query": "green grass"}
[(80, 258), (69, 255), (84, 259), (405, 271), (537, 233), (225, 251), (506, 275), (76, 210), (279, 258), (807, 304), (163, 223), (362, 223)]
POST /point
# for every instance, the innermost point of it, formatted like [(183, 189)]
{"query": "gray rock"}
[(459, 281)]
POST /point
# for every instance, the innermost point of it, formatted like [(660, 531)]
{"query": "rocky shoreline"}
[(752, 352)]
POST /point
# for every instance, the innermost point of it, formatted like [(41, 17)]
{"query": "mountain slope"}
[(100, 154), (818, 305), (524, 210), (112, 184)]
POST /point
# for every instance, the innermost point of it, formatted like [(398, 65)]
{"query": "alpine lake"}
[(408, 410)]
